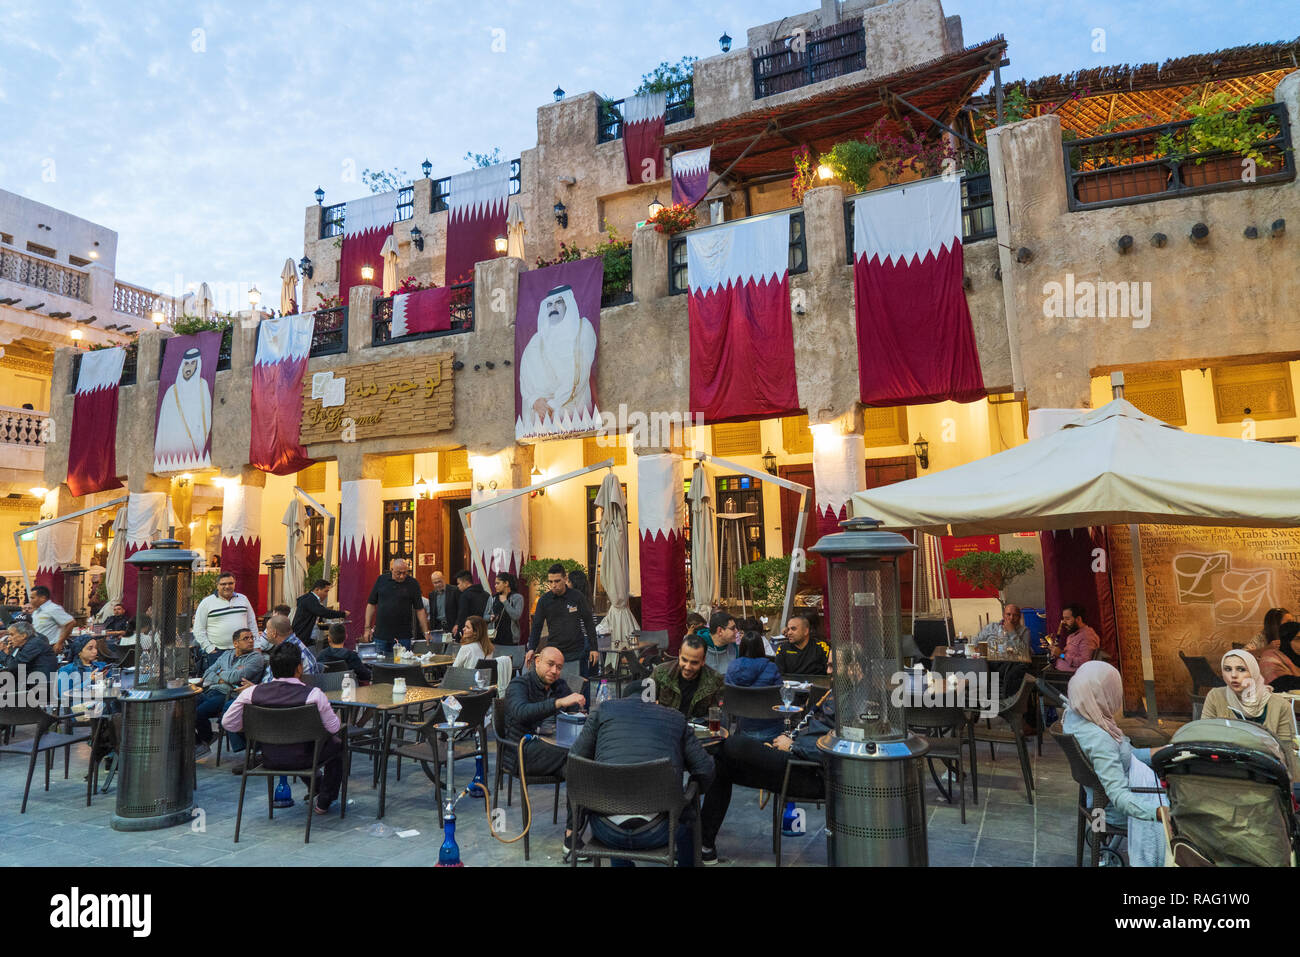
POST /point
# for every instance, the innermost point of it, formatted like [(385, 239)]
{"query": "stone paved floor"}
[(59, 830)]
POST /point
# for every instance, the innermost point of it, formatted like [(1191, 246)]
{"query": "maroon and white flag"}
[(660, 510), (425, 310), (360, 527), (742, 337), (915, 339), (691, 175), (476, 216), (241, 541), (149, 516), (56, 546), (643, 133), (839, 469), (92, 460), (283, 346), (367, 222)]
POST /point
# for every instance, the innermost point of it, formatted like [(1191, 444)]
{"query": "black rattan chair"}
[(329, 681), (335, 667), (43, 741), (648, 790), (750, 702), (1203, 676), (1013, 712), (507, 763), (948, 732), (429, 749), (286, 726), (384, 674), (462, 679)]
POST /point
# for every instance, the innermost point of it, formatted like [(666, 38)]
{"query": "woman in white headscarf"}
[(1245, 697)]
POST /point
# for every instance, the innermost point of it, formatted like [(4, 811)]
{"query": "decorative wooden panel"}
[(796, 437), (593, 451), (881, 427), (379, 399), (453, 467), (1157, 393), (1256, 391), (737, 438), (399, 471)]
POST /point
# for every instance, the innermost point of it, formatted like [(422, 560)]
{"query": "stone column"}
[(241, 538), (839, 470), (662, 546), (360, 536), (57, 545), (148, 517)]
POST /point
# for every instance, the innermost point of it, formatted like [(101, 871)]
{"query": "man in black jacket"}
[(442, 604), (532, 696), (570, 625), (632, 731), (471, 600), (312, 607)]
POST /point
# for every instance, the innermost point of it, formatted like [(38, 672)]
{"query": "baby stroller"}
[(1229, 796)]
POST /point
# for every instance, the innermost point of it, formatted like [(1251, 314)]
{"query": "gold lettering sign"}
[(411, 396)]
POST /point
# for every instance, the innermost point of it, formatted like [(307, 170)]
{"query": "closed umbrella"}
[(205, 301), (619, 621), (515, 231), (115, 564), (704, 580), (288, 289), (389, 254), (295, 564)]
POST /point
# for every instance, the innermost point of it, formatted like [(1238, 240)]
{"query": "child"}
[(336, 652)]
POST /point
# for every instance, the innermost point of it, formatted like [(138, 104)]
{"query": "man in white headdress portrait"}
[(184, 418), (555, 369)]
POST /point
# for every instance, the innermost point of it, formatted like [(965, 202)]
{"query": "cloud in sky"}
[(199, 131)]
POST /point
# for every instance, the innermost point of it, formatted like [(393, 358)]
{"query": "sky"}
[(198, 131)]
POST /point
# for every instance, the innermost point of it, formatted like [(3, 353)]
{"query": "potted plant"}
[(854, 162), (673, 219), (765, 581), (805, 173), (1120, 170), (1225, 131), (992, 571)]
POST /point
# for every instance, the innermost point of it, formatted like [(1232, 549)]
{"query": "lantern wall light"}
[(922, 449), (724, 42), (562, 215), (320, 196), (305, 266), (417, 238)]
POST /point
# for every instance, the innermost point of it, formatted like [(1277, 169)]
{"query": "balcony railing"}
[(810, 57), (140, 302), (442, 187), (333, 220), (1138, 166), (330, 334), (42, 274), (462, 318), (678, 280), (22, 427), (609, 113), (976, 211)]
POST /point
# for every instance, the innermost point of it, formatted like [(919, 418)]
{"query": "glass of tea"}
[(715, 720)]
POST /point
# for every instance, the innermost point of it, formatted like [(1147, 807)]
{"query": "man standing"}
[(532, 696), (393, 599), (569, 623), (688, 685), (242, 665), (799, 654), (312, 608), (219, 616), (1010, 631), (50, 620), (632, 731), (1075, 642), (471, 600), (722, 640), (442, 604)]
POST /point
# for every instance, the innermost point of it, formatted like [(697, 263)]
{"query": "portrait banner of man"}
[(555, 349), (183, 427)]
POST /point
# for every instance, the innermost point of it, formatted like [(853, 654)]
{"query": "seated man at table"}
[(721, 641), (338, 634), (286, 690), (1009, 632), (688, 685), (632, 731), (236, 668), (1074, 642), (800, 653), (22, 647), (754, 764), (532, 696), (280, 631)]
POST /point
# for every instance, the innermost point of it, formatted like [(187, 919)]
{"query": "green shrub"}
[(536, 570), (853, 162), (991, 570)]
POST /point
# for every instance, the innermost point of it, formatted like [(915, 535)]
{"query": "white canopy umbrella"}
[(1114, 465), (613, 568), (295, 564), (515, 230), (288, 289), (389, 255), (115, 564), (203, 307), (704, 561)]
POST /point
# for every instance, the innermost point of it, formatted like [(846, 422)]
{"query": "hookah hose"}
[(803, 723), (523, 788)]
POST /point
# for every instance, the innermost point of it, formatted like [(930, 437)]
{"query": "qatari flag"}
[(915, 340), (691, 175), (742, 338), (278, 368), (643, 133), (367, 222), (476, 216), (92, 461), (425, 310)]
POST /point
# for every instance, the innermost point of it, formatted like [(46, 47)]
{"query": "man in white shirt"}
[(219, 616), (1010, 631), (49, 619)]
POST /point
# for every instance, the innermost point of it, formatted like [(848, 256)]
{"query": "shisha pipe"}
[(792, 734)]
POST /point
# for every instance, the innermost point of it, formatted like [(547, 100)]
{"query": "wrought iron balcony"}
[(809, 57)]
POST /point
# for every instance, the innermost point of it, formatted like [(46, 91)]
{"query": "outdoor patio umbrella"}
[(205, 301), (295, 566), (1112, 466), (289, 289), (389, 255), (613, 568), (704, 580), (115, 563), (515, 231)]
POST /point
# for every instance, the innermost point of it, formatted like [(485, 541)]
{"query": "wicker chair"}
[(648, 789), (507, 763), (384, 674), (428, 748), (1203, 676), (935, 723), (43, 741), (1013, 713)]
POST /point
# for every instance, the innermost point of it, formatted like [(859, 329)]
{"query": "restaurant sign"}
[(379, 400)]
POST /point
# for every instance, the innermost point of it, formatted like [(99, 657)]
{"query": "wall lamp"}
[(427, 168), (417, 238), (305, 266), (561, 215), (922, 449), (724, 42), (320, 196)]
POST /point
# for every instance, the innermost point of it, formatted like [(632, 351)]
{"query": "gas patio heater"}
[(875, 811), (156, 753)]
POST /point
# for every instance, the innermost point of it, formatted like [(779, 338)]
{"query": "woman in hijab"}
[(1281, 668), (1096, 695), (1246, 697)]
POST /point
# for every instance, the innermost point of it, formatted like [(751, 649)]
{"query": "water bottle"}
[(349, 687), (602, 695), (449, 852), (787, 821)]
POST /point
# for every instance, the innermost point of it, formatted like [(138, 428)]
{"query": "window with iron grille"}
[(405, 204), (678, 280), (399, 530), (331, 223)]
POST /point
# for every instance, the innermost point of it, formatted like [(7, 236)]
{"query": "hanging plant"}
[(853, 161)]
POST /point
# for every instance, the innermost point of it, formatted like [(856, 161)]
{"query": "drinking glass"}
[(480, 681), (715, 720)]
